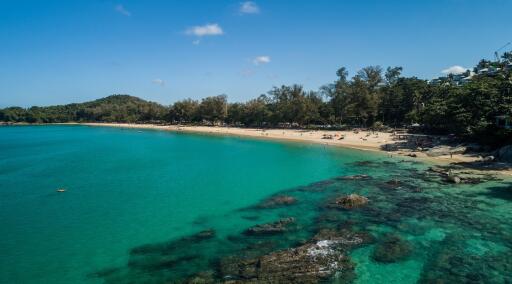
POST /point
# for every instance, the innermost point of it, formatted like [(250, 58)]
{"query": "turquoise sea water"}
[(130, 188)]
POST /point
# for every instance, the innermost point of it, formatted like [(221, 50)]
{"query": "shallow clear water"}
[(133, 194)]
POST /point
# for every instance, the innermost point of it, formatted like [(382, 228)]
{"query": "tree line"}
[(372, 97)]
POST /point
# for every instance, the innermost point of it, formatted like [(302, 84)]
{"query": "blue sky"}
[(56, 52)]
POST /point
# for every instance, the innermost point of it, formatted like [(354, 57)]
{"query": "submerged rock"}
[(349, 202), (393, 183), (314, 186), (170, 246), (277, 227), (156, 263), (251, 217), (355, 177), (328, 217), (392, 249), (277, 201), (103, 273), (203, 235), (205, 277), (364, 163)]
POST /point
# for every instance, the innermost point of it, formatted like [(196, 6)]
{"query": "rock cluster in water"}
[(277, 227), (315, 261), (277, 201), (349, 202), (355, 177), (456, 176), (171, 245)]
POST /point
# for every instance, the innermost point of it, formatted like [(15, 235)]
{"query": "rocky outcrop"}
[(453, 178), (316, 261), (457, 176), (447, 174), (348, 202), (277, 227), (392, 249), (445, 150), (437, 170), (504, 154), (277, 201)]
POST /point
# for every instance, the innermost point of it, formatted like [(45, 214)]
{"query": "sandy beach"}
[(362, 140)]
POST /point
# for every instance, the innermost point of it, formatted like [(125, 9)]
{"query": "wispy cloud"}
[(264, 59), (247, 72), (158, 82), (249, 7), (121, 10), (196, 42), (273, 76), (456, 69), (206, 30)]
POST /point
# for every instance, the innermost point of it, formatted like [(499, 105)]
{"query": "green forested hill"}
[(115, 108)]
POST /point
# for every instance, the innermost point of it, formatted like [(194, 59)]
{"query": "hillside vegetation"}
[(115, 108)]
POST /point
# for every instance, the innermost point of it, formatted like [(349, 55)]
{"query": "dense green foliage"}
[(371, 97), (115, 108)]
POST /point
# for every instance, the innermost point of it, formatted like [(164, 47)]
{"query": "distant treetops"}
[(371, 97)]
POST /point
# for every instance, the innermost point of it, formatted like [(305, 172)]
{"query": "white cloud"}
[(196, 42), (264, 59), (456, 69), (249, 7), (120, 9), (206, 30), (158, 82)]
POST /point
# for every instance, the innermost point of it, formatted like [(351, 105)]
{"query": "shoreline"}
[(363, 140)]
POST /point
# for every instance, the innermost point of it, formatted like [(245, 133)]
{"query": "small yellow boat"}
[(61, 190)]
